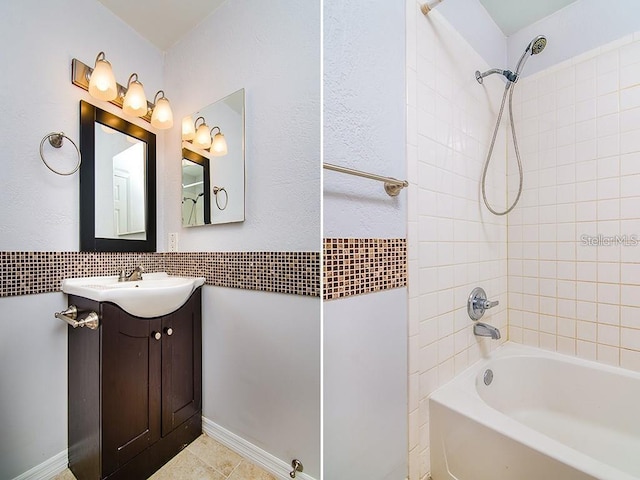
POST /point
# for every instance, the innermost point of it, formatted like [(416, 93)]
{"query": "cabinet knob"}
[(156, 335), (168, 331)]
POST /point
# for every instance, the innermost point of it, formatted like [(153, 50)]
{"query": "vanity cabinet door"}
[(182, 364), (131, 373)]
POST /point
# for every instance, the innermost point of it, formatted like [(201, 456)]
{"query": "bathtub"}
[(544, 416)]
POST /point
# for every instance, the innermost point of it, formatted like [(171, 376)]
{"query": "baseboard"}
[(263, 459), (47, 469)]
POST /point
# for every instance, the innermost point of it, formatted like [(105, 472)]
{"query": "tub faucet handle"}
[(490, 304), (478, 303)]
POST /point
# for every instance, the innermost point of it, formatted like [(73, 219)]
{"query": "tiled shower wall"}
[(572, 287), (453, 244)]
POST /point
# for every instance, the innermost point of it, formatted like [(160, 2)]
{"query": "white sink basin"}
[(155, 295)]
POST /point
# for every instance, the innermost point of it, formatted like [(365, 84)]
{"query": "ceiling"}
[(162, 22), (513, 15)]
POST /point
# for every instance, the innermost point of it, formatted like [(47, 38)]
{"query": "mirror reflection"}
[(120, 185), (195, 182), (117, 184), (213, 172)]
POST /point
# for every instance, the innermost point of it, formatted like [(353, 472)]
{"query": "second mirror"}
[(213, 171)]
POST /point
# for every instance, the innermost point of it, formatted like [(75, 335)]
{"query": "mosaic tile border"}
[(353, 266), (296, 273)]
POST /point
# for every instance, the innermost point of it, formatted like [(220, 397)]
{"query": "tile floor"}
[(203, 459)]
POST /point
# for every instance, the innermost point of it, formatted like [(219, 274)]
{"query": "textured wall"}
[(272, 50), (364, 121), (454, 243), (365, 336), (40, 209), (262, 362)]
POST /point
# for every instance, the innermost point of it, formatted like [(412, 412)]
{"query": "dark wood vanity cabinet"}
[(135, 390)]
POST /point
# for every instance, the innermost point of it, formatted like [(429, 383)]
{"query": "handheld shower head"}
[(535, 47), (537, 44)]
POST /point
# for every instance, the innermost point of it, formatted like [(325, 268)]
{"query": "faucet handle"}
[(122, 275), (478, 303), (490, 304)]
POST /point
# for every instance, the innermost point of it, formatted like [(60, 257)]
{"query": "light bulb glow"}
[(203, 137), (102, 83), (219, 145), (135, 101), (162, 116), (188, 129)]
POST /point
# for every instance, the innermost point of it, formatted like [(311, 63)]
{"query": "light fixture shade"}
[(135, 101), (162, 116), (218, 145), (203, 137), (102, 83), (188, 128)]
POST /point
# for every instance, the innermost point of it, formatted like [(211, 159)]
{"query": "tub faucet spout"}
[(483, 330)]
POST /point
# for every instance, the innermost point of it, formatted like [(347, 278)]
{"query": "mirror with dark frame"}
[(117, 184), (196, 204)]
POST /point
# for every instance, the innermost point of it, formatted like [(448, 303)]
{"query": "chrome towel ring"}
[(216, 191), (55, 140)]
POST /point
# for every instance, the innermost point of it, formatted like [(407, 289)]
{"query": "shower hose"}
[(508, 89)]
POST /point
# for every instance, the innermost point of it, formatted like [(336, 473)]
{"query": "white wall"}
[(473, 22), (272, 49), (40, 209), (261, 373), (33, 375), (365, 387), (575, 29), (454, 243), (364, 121), (365, 342), (261, 361)]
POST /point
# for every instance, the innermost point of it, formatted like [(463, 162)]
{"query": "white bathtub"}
[(545, 416)]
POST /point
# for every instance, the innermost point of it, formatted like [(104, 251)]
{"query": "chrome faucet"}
[(483, 330), (136, 274)]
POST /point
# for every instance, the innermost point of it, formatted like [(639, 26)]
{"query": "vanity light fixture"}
[(188, 128), (135, 101), (162, 116), (203, 135), (218, 143), (102, 83)]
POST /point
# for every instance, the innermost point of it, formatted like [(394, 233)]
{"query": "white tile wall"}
[(564, 295), (454, 245)]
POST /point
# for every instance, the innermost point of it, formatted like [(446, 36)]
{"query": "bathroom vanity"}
[(135, 389)]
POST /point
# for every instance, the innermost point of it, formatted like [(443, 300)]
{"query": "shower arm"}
[(509, 75)]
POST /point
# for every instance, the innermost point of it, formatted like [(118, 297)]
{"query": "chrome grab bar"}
[(70, 316)]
